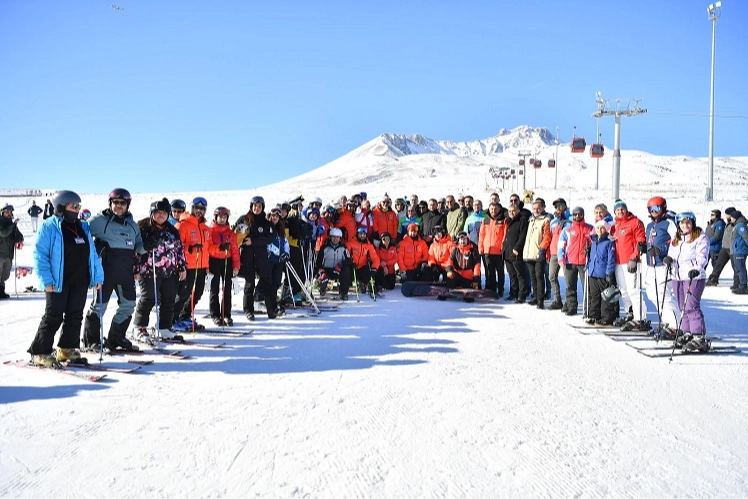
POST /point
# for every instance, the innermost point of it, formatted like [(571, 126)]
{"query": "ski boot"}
[(682, 340), (45, 360), (121, 343), (141, 334), (168, 334), (70, 355), (641, 326), (621, 321), (665, 332), (218, 321), (698, 343)]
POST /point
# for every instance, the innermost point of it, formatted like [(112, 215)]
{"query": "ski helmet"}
[(7, 207), (199, 202), (657, 205), (462, 235), (257, 199), (330, 210), (120, 194), (316, 201), (178, 204), (313, 211), (85, 214), (335, 232), (162, 205), (62, 198), (611, 295), (386, 235), (220, 211), (412, 227), (686, 215), (439, 230), (362, 230)]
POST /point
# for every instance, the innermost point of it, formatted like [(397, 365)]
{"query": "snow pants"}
[(167, 288), (630, 291), (66, 309), (659, 290), (690, 305)]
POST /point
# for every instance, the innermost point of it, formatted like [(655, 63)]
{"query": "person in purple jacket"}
[(687, 258)]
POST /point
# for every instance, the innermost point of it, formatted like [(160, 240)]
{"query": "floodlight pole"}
[(555, 180), (597, 166), (604, 108), (714, 10)]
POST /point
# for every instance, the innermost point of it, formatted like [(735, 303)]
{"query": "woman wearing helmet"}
[(67, 264), (687, 258), (223, 265)]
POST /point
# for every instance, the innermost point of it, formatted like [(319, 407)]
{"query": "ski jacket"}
[(34, 211), (659, 234), (602, 257), (573, 243), (439, 251), (473, 224), (384, 221), (220, 234), (194, 231), (331, 256), (363, 254), (347, 223), (412, 253), (729, 236), (259, 231), (714, 231), (388, 257), (277, 246), (166, 244), (404, 225), (49, 210), (9, 237), (689, 255), (558, 224), (514, 240), (456, 221), (432, 219), (465, 260), (118, 242), (740, 243), (298, 231), (538, 238), (365, 219), (322, 232), (491, 237), (49, 251), (628, 233)]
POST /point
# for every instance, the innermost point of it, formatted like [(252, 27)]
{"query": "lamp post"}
[(555, 180), (714, 10)]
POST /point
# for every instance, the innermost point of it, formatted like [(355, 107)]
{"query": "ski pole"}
[(355, 283), (223, 285), (15, 271), (155, 295), (308, 294), (101, 327), (683, 312), (372, 284), (192, 296)]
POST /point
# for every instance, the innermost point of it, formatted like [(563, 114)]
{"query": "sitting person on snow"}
[(439, 252), (388, 257), (334, 262), (413, 254), (363, 257), (463, 266)]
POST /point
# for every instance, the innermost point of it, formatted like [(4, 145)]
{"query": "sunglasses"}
[(578, 215), (118, 202), (177, 211), (199, 207), (559, 206), (75, 206)]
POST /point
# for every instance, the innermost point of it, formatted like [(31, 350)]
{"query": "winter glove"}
[(610, 279), (541, 254), (569, 266), (641, 247), (338, 268), (653, 251), (632, 266), (195, 248), (224, 246), (19, 245), (693, 274), (667, 261), (284, 257)]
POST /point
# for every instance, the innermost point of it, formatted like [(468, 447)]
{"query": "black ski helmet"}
[(255, 200), (178, 204), (120, 193), (162, 205), (611, 295), (62, 198)]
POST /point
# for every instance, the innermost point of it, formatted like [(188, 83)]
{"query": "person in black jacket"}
[(34, 211), (514, 242), (431, 218), (11, 239), (49, 210)]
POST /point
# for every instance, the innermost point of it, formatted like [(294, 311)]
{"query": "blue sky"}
[(214, 95)]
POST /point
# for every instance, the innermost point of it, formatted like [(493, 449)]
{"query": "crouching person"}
[(463, 267), (334, 263)]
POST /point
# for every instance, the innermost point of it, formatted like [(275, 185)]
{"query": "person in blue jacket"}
[(67, 265), (740, 252), (602, 269), (715, 230)]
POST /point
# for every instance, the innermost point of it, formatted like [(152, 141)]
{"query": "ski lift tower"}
[(523, 155), (617, 108)]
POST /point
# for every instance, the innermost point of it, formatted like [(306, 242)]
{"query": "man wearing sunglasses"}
[(10, 240), (117, 238)]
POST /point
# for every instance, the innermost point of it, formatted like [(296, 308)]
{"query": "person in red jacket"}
[(573, 251), (628, 236), (385, 219), (463, 265), (491, 247), (363, 258), (439, 252), (414, 254), (224, 264), (388, 257), (347, 221)]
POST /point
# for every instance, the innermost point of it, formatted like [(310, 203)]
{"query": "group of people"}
[(454, 240)]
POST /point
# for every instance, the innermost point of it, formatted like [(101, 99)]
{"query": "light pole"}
[(555, 180), (597, 166), (714, 10)]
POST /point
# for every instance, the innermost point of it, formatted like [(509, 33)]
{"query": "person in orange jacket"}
[(388, 257), (347, 221), (224, 264), (491, 247), (363, 258), (439, 252), (414, 255), (385, 219), (463, 266), (197, 242)]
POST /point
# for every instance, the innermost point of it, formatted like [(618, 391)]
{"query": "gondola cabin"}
[(521, 162), (537, 163), (512, 171), (578, 144), (597, 151), (521, 172), (551, 163)]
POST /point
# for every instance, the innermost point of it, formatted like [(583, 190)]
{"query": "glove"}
[(667, 261), (569, 266), (224, 246), (641, 247), (284, 257), (610, 279), (338, 268), (541, 254), (653, 251), (632, 266), (693, 274), (19, 245), (195, 248)]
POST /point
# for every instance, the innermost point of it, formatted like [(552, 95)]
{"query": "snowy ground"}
[(403, 397)]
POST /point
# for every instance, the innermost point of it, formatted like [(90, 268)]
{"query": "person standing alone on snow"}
[(34, 211)]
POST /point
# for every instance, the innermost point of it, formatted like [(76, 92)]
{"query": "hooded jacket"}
[(689, 255)]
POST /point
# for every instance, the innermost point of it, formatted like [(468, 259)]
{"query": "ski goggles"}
[(85, 216), (655, 209)]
